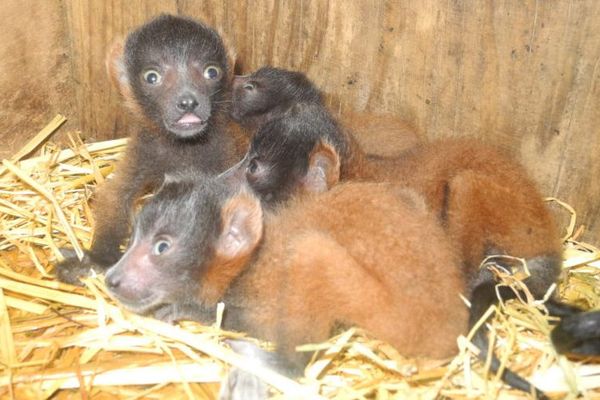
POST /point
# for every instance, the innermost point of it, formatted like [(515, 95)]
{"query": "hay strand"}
[(50, 197), (37, 140)]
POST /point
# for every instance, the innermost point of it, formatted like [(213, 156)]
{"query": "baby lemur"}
[(483, 198), (173, 75), (358, 254)]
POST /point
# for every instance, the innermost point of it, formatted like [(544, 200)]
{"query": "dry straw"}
[(58, 341)]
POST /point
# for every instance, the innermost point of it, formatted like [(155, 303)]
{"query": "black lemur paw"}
[(71, 269)]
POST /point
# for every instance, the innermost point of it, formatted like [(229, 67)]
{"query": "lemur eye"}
[(212, 72), (249, 86), (152, 77), (160, 247)]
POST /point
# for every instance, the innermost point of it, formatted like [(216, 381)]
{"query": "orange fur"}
[(356, 255), (323, 169), (383, 135), (226, 265), (483, 197)]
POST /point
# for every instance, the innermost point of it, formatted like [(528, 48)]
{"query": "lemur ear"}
[(241, 221), (323, 168), (117, 71), (115, 65)]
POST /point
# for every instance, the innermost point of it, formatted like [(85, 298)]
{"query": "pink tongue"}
[(189, 119)]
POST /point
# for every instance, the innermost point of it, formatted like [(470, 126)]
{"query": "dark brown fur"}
[(359, 254), (181, 52)]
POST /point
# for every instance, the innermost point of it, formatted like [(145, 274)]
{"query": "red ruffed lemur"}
[(468, 185), (173, 75), (358, 254)]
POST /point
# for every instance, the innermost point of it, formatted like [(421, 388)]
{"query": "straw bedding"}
[(58, 341)]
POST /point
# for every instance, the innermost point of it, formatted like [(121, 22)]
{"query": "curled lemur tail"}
[(544, 271), (484, 294), (482, 298), (578, 334)]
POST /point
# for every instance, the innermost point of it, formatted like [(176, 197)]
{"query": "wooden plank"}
[(35, 74)]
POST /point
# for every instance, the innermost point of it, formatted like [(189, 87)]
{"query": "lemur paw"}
[(71, 269)]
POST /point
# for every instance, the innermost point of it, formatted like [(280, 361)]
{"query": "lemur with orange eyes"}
[(468, 185), (173, 75)]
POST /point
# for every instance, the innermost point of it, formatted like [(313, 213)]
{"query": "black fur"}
[(578, 334), (180, 50), (278, 156), (270, 93), (289, 117), (483, 296)]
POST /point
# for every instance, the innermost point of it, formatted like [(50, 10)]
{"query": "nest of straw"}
[(60, 341)]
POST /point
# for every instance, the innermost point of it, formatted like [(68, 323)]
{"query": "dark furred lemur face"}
[(268, 93), (285, 160), (169, 246), (177, 69), (193, 228), (276, 161), (292, 123)]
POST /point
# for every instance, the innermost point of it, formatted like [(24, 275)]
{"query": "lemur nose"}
[(187, 102)]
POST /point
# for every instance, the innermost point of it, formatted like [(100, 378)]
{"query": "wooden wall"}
[(35, 70), (521, 74)]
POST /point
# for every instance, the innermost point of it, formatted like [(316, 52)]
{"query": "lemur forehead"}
[(177, 53), (170, 38)]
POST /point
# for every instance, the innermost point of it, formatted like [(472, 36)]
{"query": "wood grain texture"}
[(35, 71), (522, 75)]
